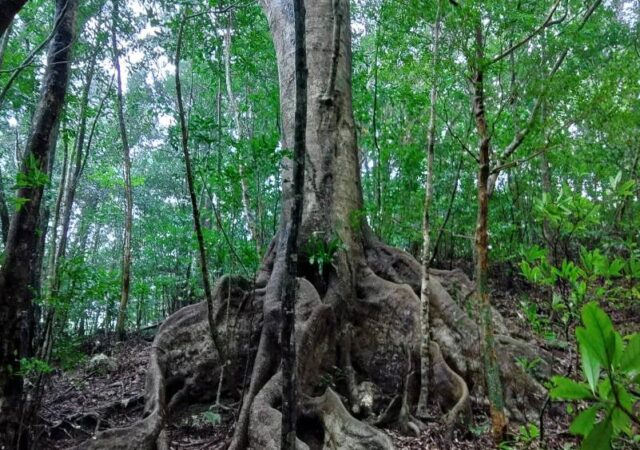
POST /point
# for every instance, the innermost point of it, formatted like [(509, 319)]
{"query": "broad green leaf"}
[(590, 364), (620, 421), (618, 347), (600, 436), (584, 422), (567, 389), (599, 333), (604, 389), (630, 359)]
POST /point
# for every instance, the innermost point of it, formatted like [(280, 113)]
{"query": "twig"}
[(547, 23)]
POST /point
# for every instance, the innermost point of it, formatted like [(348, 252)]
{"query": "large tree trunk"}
[(8, 10), (16, 274), (360, 312)]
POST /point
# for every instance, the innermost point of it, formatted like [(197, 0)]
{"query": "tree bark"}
[(490, 359), (425, 289), (128, 190), (5, 219), (16, 274), (8, 10), (288, 308)]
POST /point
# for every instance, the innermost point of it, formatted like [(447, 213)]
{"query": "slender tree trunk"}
[(16, 274), (238, 135), (4, 43), (128, 218), (52, 286), (374, 126), (288, 307), (490, 359), (425, 290), (184, 131), (56, 216), (5, 219), (80, 153)]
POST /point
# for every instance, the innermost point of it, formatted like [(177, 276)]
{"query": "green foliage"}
[(33, 366), (211, 416), (320, 251), (611, 369), (31, 177), (573, 283), (527, 434), (67, 354), (528, 365), (330, 379), (570, 213)]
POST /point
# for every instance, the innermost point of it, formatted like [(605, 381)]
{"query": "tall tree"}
[(202, 249), (357, 303), (288, 308), (16, 274), (238, 135), (128, 189), (425, 289)]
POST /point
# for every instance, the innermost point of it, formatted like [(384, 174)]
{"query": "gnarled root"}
[(184, 365), (367, 324), (459, 336), (451, 392), (341, 430)]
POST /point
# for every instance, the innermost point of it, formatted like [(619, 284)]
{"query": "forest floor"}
[(79, 402)]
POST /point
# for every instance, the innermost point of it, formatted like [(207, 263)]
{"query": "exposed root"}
[(459, 337), (341, 430), (184, 365), (264, 430), (372, 335), (451, 392), (385, 317)]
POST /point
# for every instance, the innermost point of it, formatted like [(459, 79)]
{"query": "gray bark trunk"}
[(128, 190), (16, 274)]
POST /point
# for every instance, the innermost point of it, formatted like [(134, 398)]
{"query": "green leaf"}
[(590, 365), (630, 359), (600, 436), (584, 422), (599, 333), (567, 389), (617, 352), (620, 422)]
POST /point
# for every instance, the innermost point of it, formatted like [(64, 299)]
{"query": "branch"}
[(547, 23), (95, 122), (499, 169), (518, 139), (17, 70), (8, 10), (464, 146), (452, 198), (218, 10)]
